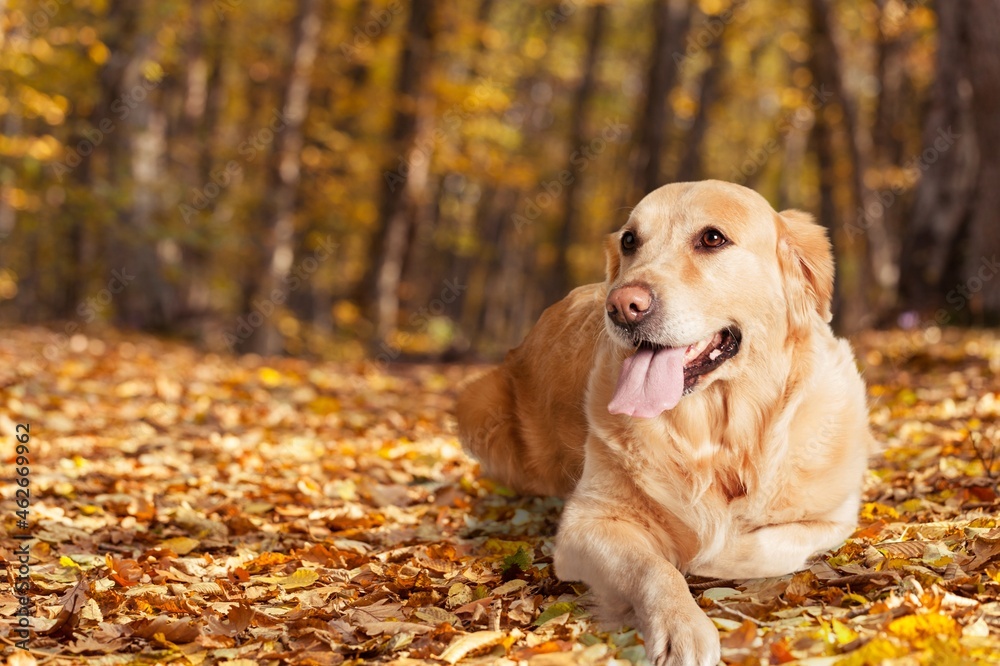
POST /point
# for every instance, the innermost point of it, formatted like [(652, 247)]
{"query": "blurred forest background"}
[(340, 177)]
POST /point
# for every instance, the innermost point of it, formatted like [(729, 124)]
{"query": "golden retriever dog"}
[(695, 409)]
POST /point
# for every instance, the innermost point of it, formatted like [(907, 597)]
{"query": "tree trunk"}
[(560, 282), (943, 202), (980, 266), (284, 173), (671, 19), (401, 185), (896, 112), (822, 145), (852, 274), (203, 105), (135, 160), (94, 225), (869, 245), (148, 303), (691, 167)]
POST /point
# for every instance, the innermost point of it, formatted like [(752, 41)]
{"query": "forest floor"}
[(194, 508)]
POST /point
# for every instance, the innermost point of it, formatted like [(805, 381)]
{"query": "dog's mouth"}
[(706, 355), (655, 378)]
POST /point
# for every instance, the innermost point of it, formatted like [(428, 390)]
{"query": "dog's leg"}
[(776, 550), (626, 568)]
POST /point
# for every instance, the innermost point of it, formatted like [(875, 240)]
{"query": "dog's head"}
[(703, 280)]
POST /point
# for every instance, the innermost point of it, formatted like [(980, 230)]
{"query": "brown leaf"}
[(469, 644), (905, 549), (437, 616), (125, 572), (741, 638), (94, 645), (69, 614), (166, 628), (266, 561), (800, 587), (237, 620), (985, 550), (392, 628)]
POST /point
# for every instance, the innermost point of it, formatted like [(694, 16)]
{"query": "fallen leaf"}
[(437, 616), (167, 629), (180, 545), (468, 644), (298, 579), (554, 611), (509, 587)]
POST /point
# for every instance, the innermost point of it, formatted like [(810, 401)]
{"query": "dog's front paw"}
[(681, 636)]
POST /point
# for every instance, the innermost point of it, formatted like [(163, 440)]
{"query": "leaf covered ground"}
[(203, 509)]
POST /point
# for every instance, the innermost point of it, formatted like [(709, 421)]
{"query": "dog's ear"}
[(612, 258), (806, 259)]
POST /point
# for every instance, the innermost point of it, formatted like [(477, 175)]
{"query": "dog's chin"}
[(702, 359)]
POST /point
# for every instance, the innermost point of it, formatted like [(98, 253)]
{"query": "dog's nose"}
[(628, 305)]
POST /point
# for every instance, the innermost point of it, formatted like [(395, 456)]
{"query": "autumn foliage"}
[(196, 508)]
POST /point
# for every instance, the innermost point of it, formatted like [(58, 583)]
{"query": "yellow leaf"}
[(153, 71), (874, 510), (68, 563), (64, 489), (324, 405), (180, 545), (877, 651), (301, 578), (98, 53), (269, 377), (501, 547), (841, 632), (913, 627), (857, 598)]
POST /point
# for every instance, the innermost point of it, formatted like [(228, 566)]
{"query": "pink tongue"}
[(650, 383)]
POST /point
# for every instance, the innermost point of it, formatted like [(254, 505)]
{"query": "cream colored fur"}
[(757, 469)]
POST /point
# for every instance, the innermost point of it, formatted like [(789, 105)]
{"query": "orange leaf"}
[(780, 654), (742, 637)]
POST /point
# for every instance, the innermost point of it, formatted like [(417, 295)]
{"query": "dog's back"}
[(524, 421)]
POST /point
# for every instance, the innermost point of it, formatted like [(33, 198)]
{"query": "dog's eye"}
[(712, 238), (629, 242)]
